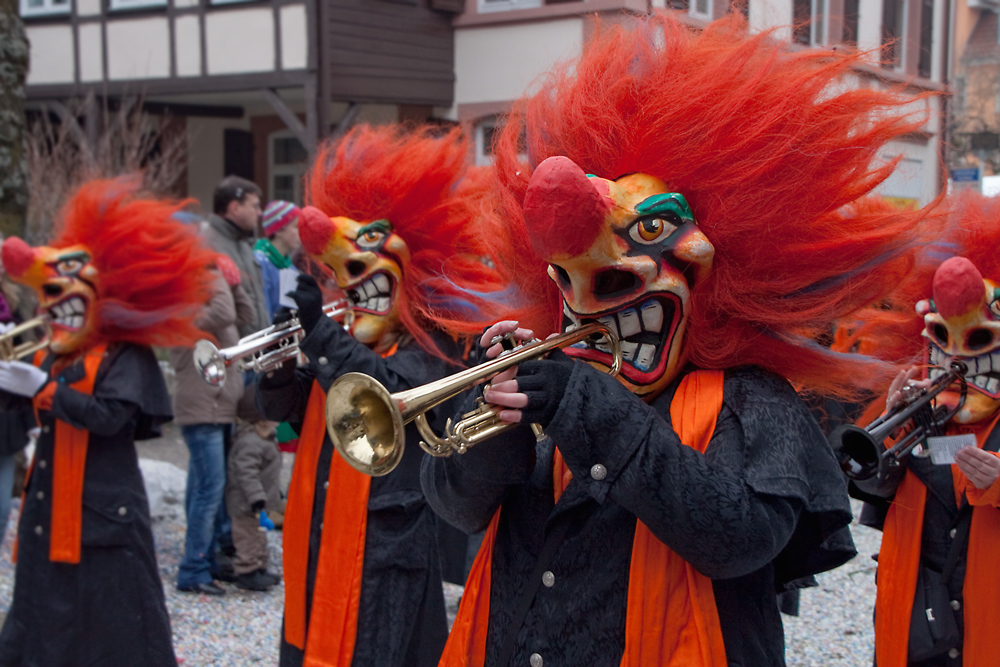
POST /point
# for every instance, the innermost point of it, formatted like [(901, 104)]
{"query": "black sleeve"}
[(333, 352), (466, 489), (129, 383), (727, 512)]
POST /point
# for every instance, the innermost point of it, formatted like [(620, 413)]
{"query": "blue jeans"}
[(203, 504)]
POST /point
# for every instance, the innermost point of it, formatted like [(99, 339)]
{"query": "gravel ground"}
[(242, 628)]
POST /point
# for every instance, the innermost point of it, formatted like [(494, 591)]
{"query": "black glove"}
[(283, 314), (309, 299), (544, 383), (258, 505)]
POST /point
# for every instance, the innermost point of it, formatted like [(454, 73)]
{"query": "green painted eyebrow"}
[(667, 202), (383, 226), (81, 255)]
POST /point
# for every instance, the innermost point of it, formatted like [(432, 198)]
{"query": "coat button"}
[(122, 511), (956, 605), (321, 526), (536, 660), (40, 495), (326, 484), (42, 463), (38, 530), (46, 429), (951, 533), (270, 374), (323, 361), (953, 653), (598, 472), (548, 579)]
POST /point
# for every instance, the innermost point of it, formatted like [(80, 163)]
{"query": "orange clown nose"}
[(958, 287), (315, 230), (563, 209)]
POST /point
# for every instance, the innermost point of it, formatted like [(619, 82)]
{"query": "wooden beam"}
[(288, 116), (347, 120)]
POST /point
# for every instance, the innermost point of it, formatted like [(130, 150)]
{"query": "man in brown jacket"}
[(206, 415)]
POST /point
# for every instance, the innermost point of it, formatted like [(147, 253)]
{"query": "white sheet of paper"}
[(943, 448), (286, 284)]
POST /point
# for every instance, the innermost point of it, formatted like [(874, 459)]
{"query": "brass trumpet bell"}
[(366, 422)]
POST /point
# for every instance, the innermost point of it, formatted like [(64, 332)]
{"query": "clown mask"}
[(626, 253), (66, 283), (963, 323), (368, 261)]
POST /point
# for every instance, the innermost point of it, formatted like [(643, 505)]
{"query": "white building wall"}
[(91, 52), (187, 45), (500, 63), (294, 40), (769, 14), (240, 41), (51, 54), (138, 49), (88, 7)]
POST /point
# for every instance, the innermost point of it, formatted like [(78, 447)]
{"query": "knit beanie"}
[(278, 215)]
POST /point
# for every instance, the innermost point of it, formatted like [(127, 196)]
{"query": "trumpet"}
[(10, 351), (365, 422), (862, 453), (254, 352)]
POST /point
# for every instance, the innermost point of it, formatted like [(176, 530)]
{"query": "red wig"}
[(418, 180), (153, 269), (891, 329), (769, 153)]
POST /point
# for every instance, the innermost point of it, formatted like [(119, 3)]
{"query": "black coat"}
[(401, 616), (109, 609), (751, 513)]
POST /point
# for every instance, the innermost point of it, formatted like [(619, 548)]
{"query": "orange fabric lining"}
[(68, 468), (671, 618), (899, 558)]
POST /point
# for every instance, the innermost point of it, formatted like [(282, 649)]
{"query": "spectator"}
[(231, 231), (206, 415), (273, 252), (252, 490)]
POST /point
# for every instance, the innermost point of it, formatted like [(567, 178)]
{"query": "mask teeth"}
[(983, 371), (374, 294), (626, 323)]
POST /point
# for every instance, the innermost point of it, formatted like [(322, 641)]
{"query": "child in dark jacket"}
[(253, 489)]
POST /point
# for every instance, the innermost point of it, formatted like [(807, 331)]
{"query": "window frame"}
[(127, 5), (486, 7), (48, 8)]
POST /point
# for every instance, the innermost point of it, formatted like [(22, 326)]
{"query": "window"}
[(44, 7), (850, 22), (893, 33), (926, 37), (809, 18), (136, 4), (507, 5), (485, 133), (287, 165), (701, 9)]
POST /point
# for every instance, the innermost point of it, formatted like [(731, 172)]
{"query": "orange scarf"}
[(899, 559), (671, 618), (336, 593), (68, 467)]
